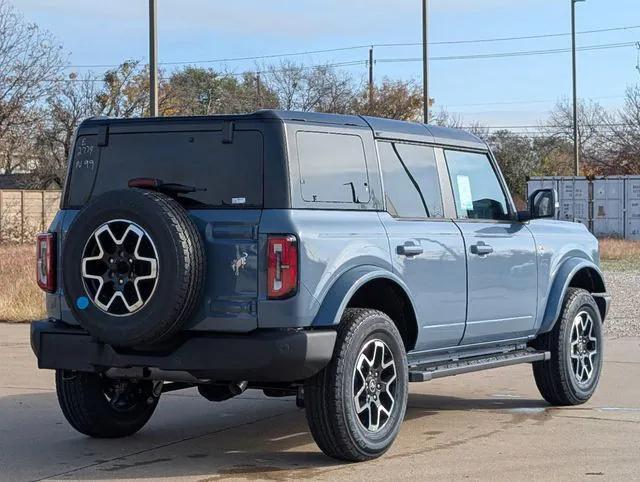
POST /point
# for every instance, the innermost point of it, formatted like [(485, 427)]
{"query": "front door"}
[(501, 253), (427, 250)]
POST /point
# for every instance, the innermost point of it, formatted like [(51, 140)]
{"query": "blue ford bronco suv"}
[(332, 258)]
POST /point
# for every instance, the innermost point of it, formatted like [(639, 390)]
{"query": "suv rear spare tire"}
[(133, 267)]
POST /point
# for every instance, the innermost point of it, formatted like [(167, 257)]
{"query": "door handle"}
[(481, 249), (410, 250)]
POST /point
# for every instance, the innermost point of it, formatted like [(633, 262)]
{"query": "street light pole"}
[(153, 59), (576, 135), (425, 58)]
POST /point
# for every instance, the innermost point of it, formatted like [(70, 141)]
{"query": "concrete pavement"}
[(485, 426)]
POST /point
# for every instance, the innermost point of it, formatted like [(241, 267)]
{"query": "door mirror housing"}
[(543, 203)]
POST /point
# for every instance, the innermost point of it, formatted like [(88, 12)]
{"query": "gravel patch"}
[(624, 314)]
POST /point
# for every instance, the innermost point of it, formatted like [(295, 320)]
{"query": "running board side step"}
[(424, 373)]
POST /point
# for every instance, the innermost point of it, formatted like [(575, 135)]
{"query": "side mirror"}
[(543, 203)]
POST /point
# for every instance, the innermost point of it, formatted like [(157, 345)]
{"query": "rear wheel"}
[(571, 376), (356, 404), (103, 408)]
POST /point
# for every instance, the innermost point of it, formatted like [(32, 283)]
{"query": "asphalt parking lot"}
[(485, 426)]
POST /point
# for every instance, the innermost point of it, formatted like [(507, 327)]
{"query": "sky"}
[(506, 91)]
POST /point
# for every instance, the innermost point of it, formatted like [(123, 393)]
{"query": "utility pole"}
[(153, 58), (259, 89), (371, 86), (576, 134), (425, 58)]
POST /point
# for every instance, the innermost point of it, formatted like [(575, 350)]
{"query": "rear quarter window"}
[(332, 167)]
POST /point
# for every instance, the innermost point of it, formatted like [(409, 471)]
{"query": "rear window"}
[(229, 174), (333, 168)]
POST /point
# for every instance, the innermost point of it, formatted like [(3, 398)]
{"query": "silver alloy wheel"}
[(584, 348), (120, 267), (374, 385)]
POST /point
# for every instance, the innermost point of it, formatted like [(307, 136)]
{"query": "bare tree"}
[(125, 91), (74, 100), (593, 131), (30, 64), (320, 88), (625, 136)]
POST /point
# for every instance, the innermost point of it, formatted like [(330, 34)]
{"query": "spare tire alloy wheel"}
[(133, 266), (120, 267)]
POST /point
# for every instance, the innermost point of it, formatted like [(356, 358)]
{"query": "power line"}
[(359, 47), (524, 102), (223, 74), (520, 53), (541, 126), (505, 39)]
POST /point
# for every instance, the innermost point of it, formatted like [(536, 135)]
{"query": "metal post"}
[(43, 218), (425, 57), (21, 216), (1, 216), (259, 89), (371, 86), (153, 59), (576, 134)]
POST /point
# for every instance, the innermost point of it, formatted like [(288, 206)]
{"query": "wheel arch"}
[(375, 288), (575, 273)]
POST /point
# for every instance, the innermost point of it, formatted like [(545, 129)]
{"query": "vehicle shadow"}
[(250, 437)]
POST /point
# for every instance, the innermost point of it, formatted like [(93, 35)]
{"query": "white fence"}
[(608, 206), (23, 213)]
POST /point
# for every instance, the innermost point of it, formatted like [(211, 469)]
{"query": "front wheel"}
[(356, 404), (103, 408), (571, 376)]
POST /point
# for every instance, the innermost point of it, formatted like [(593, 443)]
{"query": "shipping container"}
[(574, 200), (632, 208), (608, 206)]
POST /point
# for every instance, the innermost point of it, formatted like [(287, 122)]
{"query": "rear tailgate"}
[(227, 210)]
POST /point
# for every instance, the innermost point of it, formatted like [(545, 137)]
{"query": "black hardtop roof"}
[(382, 128)]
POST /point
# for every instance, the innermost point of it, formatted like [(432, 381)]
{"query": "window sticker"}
[(464, 190)]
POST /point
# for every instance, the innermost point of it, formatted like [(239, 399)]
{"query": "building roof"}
[(24, 181)]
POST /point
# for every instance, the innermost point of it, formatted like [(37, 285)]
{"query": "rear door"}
[(228, 173), (501, 253), (427, 250)]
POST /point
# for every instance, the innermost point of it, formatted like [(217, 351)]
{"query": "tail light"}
[(282, 266), (45, 262)]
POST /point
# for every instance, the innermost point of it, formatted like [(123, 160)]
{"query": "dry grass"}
[(620, 254), (20, 297)]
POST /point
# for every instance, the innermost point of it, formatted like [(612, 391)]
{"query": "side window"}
[(476, 189), (421, 163), (333, 167), (403, 199)]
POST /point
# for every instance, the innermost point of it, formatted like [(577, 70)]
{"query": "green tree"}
[(199, 91), (393, 99)]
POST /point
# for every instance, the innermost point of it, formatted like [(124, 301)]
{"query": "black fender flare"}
[(561, 282)]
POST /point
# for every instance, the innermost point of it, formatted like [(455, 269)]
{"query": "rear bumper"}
[(261, 356)]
